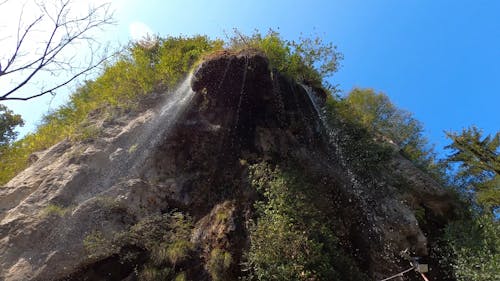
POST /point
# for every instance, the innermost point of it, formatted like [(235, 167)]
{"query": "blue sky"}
[(439, 60)]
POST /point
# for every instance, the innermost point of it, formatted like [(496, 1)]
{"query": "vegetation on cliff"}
[(288, 220), (293, 238), (155, 65), (144, 67)]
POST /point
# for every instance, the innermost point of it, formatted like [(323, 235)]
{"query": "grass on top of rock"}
[(307, 60)]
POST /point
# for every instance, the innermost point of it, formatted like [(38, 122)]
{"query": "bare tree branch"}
[(59, 85), (67, 33)]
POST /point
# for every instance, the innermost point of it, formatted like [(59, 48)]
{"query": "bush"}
[(179, 250), (355, 143), (474, 248), (166, 239), (151, 273), (98, 246), (53, 209), (292, 238), (163, 238), (375, 112), (218, 264), (308, 60)]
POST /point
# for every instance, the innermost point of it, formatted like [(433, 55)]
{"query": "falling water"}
[(242, 91), (129, 157), (334, 138), (173, 107)]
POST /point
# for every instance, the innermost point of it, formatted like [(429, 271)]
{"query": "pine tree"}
[(479, 160)]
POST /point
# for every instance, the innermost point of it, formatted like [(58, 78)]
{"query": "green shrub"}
[(380, 118), (166, 239), (151, 273), (307, 60), (132, 148), (474, 248), (179, 250), (292, 238), (218, 264), (53, 209), (181, 277), (8, 122), (355, 142), (98, 246)]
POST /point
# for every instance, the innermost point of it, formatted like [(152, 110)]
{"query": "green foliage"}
[(98, 246), (474, 248), (110, 204), (144, 67), (354, 140), (292, 239), (8, 122), (132, 148), (179, 250), (53, 209), (151, 273), (181, 277), (166, 239), (307, 60), (218, 264), (479, 160), (381, 117)]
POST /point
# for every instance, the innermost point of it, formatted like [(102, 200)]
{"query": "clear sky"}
[(439, 60)]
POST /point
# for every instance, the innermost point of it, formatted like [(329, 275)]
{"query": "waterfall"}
[(128, 158), (242, 92), (172, 108), (334, 138)]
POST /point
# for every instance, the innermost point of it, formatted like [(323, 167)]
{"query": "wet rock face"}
[(241, 113), (239, 93), (234, 90)]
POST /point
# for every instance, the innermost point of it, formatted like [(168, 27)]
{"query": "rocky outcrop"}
[(194, 160)]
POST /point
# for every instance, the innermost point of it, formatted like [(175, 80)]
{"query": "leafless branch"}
[(66, 33)]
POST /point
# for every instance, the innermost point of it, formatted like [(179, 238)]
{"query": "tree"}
[(51, 42), (379, 115), (8, 121), (474, 240), (478, 157)]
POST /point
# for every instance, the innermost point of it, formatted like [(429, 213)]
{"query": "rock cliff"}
[(177, 172)]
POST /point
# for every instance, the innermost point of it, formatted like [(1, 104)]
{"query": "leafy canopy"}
[(381, 117), (478, 157), (8, 122), (474, 248)]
